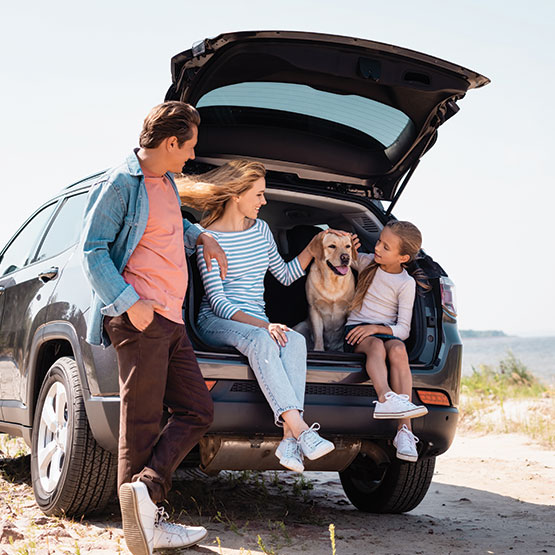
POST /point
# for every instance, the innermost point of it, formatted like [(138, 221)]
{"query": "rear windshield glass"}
[(379, 121)]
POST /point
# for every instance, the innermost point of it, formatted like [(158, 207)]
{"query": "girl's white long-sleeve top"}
[(389, 300)]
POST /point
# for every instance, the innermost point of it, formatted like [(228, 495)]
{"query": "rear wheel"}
[(72, 474), (397, 488)]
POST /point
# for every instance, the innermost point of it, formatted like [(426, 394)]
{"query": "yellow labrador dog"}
[(330, 287)]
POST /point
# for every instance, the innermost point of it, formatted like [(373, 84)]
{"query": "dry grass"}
[(11, 447), (508, 399), (281, 507)]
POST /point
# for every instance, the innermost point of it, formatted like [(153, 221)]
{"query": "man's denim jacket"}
[(115, 220)]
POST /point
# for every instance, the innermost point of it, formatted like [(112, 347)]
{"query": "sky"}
[(77, 80)]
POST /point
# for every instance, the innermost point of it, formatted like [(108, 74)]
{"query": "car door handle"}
[(48, 275)]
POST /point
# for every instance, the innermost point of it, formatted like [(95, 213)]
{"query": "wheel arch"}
[(53, 340)]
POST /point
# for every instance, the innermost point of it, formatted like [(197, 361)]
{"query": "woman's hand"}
[(356, 335), (277, 333), (212, 250)]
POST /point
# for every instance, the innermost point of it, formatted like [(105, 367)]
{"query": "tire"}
[(398, 488), (72, 475)]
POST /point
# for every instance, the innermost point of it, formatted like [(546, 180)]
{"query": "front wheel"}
[(398, 488), (71, 473)]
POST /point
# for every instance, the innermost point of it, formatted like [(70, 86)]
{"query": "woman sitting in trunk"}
[(232, 311)]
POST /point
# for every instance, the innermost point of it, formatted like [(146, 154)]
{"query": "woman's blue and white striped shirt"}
[(250, 254)]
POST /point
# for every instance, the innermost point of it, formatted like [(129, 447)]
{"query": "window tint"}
[(23, 246), (382, 122), (65, 229)]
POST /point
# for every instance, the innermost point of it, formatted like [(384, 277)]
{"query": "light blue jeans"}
[(280, 371)]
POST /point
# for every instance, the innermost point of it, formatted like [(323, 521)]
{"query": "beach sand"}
[(490, 494)]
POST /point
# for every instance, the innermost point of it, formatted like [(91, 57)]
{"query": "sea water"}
[(536, 353)]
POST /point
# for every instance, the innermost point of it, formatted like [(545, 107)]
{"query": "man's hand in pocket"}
[(141, 313)]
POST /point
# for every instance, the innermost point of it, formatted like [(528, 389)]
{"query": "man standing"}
[(133, 250)]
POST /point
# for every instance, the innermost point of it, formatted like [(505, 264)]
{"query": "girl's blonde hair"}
[(209, 192), (410, 240)]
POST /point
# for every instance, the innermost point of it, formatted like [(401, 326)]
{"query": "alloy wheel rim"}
[(52, 437)]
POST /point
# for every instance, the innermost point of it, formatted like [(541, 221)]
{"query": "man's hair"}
[(170, 119)]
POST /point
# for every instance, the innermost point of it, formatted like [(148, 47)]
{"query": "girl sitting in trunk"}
[(379, 322), (232, 310)]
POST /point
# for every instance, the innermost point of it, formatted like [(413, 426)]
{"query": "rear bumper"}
[(339, 417), (338, 397), (247, 451), (248, 415)]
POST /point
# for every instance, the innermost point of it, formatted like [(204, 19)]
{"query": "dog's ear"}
[(317, 246)]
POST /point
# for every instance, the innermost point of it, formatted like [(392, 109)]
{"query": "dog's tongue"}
[(342, 269)]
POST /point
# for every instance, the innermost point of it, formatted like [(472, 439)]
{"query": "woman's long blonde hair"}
[(209, 192), (410, 240)]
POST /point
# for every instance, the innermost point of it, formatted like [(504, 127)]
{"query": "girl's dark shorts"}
[(351, 348)]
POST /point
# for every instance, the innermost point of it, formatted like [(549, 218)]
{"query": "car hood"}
[(320, 107)]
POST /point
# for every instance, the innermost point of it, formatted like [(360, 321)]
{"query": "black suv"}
[(341, 124)]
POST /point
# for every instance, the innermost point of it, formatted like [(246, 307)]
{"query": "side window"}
[(65, 229), (23, 246)]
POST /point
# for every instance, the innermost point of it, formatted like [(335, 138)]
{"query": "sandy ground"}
[(492, 494)]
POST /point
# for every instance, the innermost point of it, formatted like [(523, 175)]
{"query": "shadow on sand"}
[(286, 513), (17, 469)]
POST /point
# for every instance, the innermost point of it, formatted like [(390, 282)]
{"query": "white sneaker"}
[(313, 446), (172, 536), (398, 406), (280, 449), (405, 442), (138, 514), (289, 454)]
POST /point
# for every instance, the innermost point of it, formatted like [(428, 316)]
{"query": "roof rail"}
[(82, 181)]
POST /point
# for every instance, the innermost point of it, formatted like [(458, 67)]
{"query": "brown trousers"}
[(157, 367)]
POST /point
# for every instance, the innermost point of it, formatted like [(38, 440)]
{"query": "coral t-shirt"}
[(157, 269)]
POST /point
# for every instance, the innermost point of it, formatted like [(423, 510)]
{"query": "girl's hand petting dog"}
[(317, 239)]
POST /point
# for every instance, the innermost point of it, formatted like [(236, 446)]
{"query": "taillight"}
[(433, 397), (448, 297), (210, 384)]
